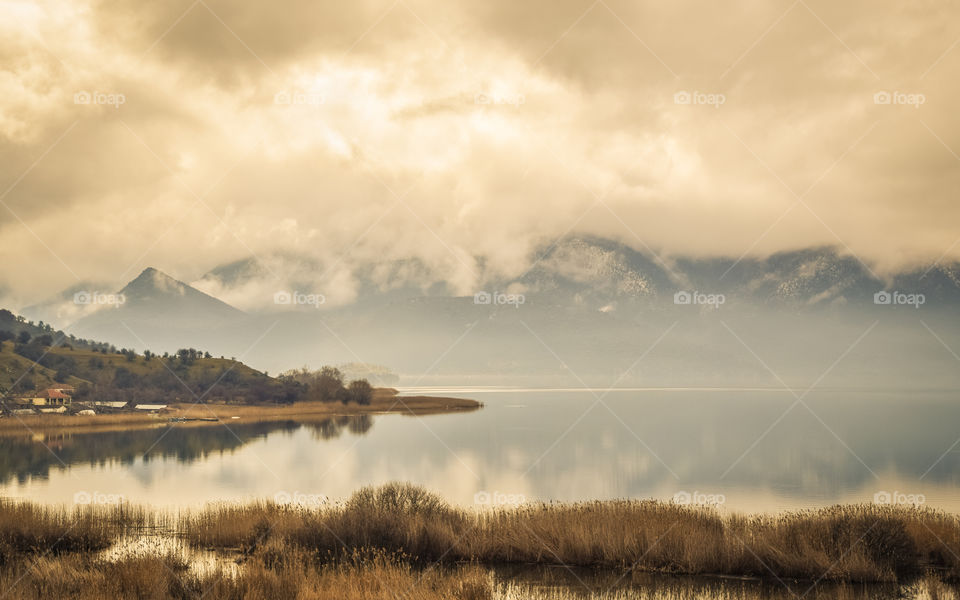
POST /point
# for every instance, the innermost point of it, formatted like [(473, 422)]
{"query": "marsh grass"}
[(297, 575), (58, 552), (402, 535), (861, 543), (27, 528)]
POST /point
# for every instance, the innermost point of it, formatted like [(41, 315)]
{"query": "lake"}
[(745, 450)]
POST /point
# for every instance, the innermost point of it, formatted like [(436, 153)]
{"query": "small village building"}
[(151, 407), (106, 404), (52, 397)]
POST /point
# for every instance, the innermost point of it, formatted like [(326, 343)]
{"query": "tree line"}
[(328, 385)]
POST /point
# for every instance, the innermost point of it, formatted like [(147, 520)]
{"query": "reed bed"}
[(857, 543), (27, 528), (149, 577), (412, 530)]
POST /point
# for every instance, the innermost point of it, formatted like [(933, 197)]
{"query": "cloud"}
[(462, 137)]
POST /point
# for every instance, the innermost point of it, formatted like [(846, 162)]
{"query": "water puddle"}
[(537, 583)]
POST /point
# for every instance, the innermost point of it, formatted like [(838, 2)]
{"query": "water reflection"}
[(761, 450), (331, 429), (528, 583), (23, 457)]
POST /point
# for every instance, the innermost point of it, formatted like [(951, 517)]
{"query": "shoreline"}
[(385, 401)]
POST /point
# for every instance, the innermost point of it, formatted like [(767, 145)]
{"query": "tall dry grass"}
[(293, 575), (27, 528), (867, 543), (415, 528)]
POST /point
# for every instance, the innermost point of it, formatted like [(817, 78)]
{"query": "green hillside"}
[(35, 357)]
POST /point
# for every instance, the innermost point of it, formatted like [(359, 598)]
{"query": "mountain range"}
[(588, 311)]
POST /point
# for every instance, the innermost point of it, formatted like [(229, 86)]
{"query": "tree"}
[(44, 340), (360, 391), (186, 355), (24, 337), (6, 335), (329, 384), (123, 378)]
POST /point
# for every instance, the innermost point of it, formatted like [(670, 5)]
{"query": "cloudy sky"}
[(188, 133)]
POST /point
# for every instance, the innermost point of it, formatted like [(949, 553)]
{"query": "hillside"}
[(100, 371), (16, 325)]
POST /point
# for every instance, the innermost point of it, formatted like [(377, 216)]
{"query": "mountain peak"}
[(155, 290), (153, 282)]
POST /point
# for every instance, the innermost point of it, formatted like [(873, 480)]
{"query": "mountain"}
[(587, 311), (154, 294), (157, 312), (589, 308), (64, 307)]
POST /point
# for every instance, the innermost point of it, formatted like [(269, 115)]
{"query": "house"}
[(52, 397), (151, 407)]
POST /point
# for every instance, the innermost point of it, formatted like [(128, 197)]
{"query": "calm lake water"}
[(752, 450)]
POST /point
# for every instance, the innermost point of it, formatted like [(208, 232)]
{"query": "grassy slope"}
[(13, 366), (141, 367)]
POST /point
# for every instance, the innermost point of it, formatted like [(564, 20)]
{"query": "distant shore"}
[(385, 401)]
